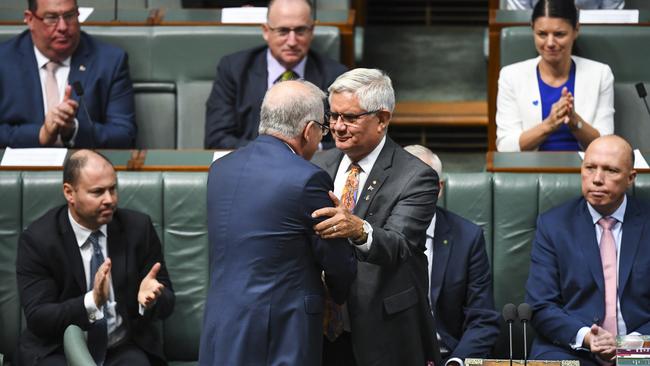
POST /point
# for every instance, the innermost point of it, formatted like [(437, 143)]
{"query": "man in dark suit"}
[(57, 255), (233, 108), (460, 280), (265, 301), (38, 108), (590, 263), (388, 198)]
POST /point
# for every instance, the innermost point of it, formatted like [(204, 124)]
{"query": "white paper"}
[(84, 13), (246, 14), (34, 157), (639, 160), (220, 154), (609, 16)]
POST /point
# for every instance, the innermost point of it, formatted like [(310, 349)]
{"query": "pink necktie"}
[(51, 86), (608, 258)]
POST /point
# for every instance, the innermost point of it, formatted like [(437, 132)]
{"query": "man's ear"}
[(384, 119), (265, 32), (306, 132), (67, 192)]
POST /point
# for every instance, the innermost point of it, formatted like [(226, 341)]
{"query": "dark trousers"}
[(339, 352), (126, 354)]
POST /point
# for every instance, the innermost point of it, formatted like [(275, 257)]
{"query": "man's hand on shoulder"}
[(150, 288), (102, 283), (601, 343)]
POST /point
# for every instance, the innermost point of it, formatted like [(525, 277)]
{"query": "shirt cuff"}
[(94, 314), (455, 359), (365, 247), (580, 338), (70, 143)]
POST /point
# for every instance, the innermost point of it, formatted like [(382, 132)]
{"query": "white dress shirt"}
[(275, 69)]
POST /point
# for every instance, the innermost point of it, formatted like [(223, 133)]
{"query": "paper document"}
[(34, 157), (609, 16), (84, 13), (246, 14), (220, 154), (639, 160)]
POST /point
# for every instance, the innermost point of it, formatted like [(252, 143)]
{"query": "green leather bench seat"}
[(173, 67), (506, 205)]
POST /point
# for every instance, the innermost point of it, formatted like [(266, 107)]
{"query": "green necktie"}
[(287, 75)]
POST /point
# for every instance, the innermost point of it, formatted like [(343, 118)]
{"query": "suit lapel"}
[(80, 64), (117, 252), (332, 165), (378, 175), (72, 250), (633, 226), (31, 72), (313, 73), (442, 242), (584, 228), (258, 78)]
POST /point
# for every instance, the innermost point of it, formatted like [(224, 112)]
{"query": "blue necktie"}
[(98, 332)]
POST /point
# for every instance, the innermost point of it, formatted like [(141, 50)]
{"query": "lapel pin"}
[(535, 102), (82, 68), (367, 197), (374, 182), (371, 188), (445, 242)]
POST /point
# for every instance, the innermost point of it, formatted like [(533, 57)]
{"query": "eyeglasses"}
[(348, 119), (299, 31), (324, 129), (53, 19)]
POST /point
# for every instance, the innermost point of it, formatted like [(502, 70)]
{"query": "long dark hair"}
[(564, 9)]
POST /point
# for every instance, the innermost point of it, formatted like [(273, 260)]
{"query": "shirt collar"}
[(275, 69), (41, 60), (619, 214), (432, 226), (81, 233), (369, 160)]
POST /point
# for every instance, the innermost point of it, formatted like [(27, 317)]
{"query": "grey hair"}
[(372, 87), (288, 113), (423, 153)]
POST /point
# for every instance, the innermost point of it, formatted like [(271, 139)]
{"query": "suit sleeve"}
[(19, 135), (46, 315), (152, 253), (221, 110), (481, 327), (406, 225), (118, 129), (335, 256), (543, 291)]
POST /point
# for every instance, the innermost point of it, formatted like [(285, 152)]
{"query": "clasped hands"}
[(59, 120), (601, 343), (341, 223), (150, 288), (563, 112)]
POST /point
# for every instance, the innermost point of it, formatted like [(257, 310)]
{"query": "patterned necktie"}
[(333, 313), (608, 258), (98, 331), (51, 86), (287, 75)]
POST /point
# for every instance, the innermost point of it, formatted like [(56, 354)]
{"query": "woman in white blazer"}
[(555, 101)]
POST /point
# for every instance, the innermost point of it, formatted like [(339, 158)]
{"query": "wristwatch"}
[(364, 236)]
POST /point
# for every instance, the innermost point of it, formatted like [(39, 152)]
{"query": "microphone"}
[(79, 90), (509, 315), (640, 89), (525, 313)]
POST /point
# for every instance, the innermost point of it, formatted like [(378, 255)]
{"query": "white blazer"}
[(519, 105)]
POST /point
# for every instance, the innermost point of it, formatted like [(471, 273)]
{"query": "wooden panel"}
[(441, 114)]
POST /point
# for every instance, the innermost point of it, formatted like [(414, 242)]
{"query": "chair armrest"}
[(74, 345)]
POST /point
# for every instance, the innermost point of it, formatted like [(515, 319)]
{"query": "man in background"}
[(39, 66), (580, 4), (233, 108), (459, 279)]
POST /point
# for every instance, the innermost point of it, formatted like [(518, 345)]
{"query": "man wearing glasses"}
[(385, 200), (265, 300), (233, 108), (38, 106)]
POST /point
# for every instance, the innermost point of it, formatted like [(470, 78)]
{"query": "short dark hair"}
[(75, 163), (564, 9), (32, 5)]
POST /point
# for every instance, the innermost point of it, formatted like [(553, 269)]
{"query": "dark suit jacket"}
[(388, 303), (265, 300), (233, 108), (52, 283), (462, 288), (566, 285), (108, 93)]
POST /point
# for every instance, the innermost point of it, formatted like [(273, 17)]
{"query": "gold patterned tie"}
[(333, 314), (287, 75)]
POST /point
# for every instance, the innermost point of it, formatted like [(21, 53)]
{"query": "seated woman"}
[(555, 101), (581, 4)]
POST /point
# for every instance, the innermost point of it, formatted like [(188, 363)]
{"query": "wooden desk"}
[(121, 159)]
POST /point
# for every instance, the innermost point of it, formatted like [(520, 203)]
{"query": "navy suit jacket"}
[(52, 283), (103, 72), (388, 304), (265, 299), (566, 285), (233, 108), (461, 287)]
